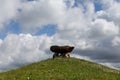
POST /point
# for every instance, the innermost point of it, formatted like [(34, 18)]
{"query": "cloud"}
[(116, 41), (36, 15), (8, 10), (111, 11), (17, 50), (103, 28)]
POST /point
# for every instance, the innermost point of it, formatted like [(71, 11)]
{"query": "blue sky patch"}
[(49, 29), (98, 6), (13, 27)]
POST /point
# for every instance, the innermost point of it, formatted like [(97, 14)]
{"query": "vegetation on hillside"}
[(62, 69)]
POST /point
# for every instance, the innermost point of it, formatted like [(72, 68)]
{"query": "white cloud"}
[(35, 15), (8, 10), (103, 28), (116, 41), (16, 50), (111, 11)]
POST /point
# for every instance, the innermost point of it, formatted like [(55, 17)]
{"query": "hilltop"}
[(62, 69)]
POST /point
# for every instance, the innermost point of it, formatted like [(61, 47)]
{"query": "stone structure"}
[(61, 51)]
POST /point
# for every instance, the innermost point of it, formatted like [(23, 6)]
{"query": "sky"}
[(29, 27)]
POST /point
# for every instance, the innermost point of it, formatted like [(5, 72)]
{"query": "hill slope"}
[(62, 69)]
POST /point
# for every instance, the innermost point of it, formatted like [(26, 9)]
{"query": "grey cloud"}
[(100, 55)]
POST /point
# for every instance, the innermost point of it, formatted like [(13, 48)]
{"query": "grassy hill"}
[(62, 69)]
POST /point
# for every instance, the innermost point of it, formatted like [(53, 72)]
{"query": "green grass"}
[(62, 69)]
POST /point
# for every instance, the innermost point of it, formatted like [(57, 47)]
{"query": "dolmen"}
[(61, 51)]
